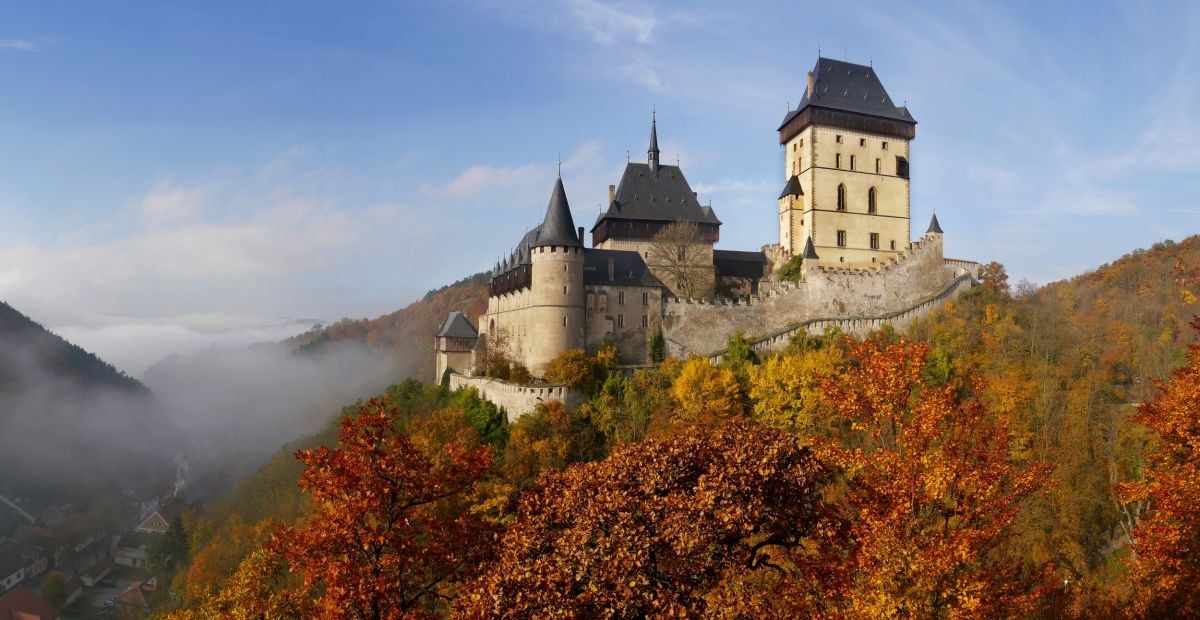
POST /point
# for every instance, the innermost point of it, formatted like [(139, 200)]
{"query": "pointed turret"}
[(934, 227), (809, 251), (652, 152), (558, 228)]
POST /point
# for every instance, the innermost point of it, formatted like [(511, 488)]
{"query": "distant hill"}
[(408, 332), (71, 423)]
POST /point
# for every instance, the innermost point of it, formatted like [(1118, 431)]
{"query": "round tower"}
[(556, 318)]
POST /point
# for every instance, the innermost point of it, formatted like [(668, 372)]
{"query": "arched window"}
[(841, 197), (871, 200)]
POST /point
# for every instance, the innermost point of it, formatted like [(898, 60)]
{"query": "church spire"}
[(652, 152)]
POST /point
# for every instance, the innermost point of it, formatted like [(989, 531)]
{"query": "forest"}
[(1022, 452)]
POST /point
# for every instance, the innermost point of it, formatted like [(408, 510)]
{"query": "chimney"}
[(612, 193), (612, 270), (812, 81), (581, 234)]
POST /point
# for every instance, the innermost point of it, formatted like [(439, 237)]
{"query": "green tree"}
[(658, 347)]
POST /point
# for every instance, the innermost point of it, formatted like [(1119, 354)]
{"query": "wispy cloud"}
[(168, 202), (21, 45), (615, 23)]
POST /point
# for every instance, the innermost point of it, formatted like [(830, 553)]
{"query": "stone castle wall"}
[(516, 400), (702, 327)]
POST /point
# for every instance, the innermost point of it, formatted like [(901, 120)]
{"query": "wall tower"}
[(846, 168), (555, 320)]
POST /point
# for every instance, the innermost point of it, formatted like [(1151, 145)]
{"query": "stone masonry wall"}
[(702, 327), (517, 400)]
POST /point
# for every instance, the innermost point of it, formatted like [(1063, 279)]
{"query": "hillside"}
[(29, 347), (408, 332), (1058, 368)]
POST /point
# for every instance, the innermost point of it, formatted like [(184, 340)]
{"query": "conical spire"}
[(652, 152), (559, 227), (934, 227), (809, 250)]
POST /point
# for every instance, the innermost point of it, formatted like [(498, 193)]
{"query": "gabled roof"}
[(457, 326), (934, 227), (558, 227), (849, 87), (664, 196), (628, 268), (136, 595), (792, 188), (20, 603)]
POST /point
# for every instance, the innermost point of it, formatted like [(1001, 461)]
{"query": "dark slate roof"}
[(664, 197), (809, 250), (850, 88), (739, 255), (457, 326), (628, 268), (558, 228), (934, 227), (739, 263), (653, 138), (792, 188)]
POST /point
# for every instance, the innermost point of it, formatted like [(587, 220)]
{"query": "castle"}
[(844, 222)]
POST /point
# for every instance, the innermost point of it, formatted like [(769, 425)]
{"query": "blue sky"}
[(174, 175)]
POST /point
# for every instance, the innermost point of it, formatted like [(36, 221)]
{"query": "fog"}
[(209, 418), (237, 406), (63, 433)]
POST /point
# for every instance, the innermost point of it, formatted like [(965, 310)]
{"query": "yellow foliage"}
[(786, 389), (705, 394)]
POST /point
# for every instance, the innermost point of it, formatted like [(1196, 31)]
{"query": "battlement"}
[(516, 400), (702, 326)]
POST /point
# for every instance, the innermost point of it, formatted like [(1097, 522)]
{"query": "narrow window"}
[(801, 141), (901, 167), (874, 241), (794, 145), (893, 244), (645, 321), (862, 141), (564, 320), (841, 197), (620, 320), (839, 138), (837, 160), (621, 298), (645, 299), (564, 290), (877, 163), (871, 200), (885, 146), (852, 161), (841, 238)]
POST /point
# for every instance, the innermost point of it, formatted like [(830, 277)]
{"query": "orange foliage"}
[(679, 527), (389, 534), (930, 492), (1166, 569)]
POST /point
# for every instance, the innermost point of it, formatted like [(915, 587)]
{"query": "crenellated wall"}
[(516, 400), (702, 327)]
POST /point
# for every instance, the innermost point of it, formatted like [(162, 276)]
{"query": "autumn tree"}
[(389, 535), (577, 370), (676, 253), (930, 492), (54, 588), (1166, 568), (705, 394), (548, 438), (786, 391), (994, 276), (674, 527)]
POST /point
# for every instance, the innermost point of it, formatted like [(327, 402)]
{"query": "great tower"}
[(846, 168)]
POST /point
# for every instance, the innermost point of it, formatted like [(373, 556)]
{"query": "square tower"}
[(846, 169)]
